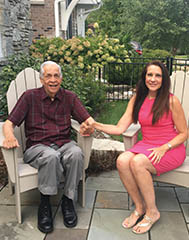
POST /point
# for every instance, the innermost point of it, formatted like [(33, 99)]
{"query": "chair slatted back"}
[(180, 88), (27, 79)]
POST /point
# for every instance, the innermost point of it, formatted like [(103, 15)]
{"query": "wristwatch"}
[(169, 145)]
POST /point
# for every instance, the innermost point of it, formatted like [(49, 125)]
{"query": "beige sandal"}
[(129, 220), (148, 224)]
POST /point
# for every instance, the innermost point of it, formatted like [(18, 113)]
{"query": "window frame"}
[(37, 2)]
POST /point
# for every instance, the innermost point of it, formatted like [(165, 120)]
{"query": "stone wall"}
[(15, 26), (15, 37)]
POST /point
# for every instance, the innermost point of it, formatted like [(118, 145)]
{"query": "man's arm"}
[(10, 140)]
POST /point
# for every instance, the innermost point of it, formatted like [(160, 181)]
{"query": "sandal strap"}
[(129, 225), (148, 219), (136, 213), (149, 222)]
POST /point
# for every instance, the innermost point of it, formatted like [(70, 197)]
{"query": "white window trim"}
[(37, 2), (1, 49)]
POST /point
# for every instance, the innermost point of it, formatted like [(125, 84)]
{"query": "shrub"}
[(89, 53), (120, 73), (8, 73), (129, 73), (157, 53), (84, 85)]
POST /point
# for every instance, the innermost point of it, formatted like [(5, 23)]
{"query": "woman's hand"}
[(157, 153), (87, 127)]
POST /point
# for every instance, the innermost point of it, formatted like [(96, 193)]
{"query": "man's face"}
[(51, 79)]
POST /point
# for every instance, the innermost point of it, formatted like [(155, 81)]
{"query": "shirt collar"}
[(58, 95)]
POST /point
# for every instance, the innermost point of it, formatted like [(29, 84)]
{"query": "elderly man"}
[(47, 114)]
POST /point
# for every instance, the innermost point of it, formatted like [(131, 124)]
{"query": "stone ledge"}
[(104, 154)]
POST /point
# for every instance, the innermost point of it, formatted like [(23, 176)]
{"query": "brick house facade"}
[(43, 19)]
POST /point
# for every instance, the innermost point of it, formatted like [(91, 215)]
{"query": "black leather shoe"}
[(68, 211), (45, 221)]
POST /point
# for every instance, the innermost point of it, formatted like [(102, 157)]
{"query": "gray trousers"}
[(55, 164)]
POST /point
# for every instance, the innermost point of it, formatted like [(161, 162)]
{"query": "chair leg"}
[(10, 186), (81, 191), (18, 204)]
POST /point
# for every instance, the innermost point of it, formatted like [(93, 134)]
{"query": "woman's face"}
[(153, 79)]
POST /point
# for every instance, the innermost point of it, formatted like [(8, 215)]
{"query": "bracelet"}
[(169, 145)]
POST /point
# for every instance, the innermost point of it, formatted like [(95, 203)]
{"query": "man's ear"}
[(41, 80)]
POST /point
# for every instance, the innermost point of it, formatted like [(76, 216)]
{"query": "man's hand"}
[(10, 141), (87, 127)]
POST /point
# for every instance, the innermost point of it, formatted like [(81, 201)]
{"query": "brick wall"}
[(43, 22)]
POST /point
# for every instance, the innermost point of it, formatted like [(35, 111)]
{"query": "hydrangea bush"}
[(89, 53)]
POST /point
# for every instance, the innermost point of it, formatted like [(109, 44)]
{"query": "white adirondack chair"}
[(22, 176), (180, 175)]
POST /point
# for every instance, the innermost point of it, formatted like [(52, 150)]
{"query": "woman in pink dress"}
[(161, 149)]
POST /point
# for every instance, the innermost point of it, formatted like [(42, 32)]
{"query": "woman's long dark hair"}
[(161, 103)]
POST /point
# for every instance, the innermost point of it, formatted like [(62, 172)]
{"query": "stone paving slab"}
[(171, 226), (67, 234), (11, 230), (31, 197), (106, 208), (106, 225), (182, 194), (166, 199), (114, 200), (84, 218), (104, 184), (185, 208), (84, 214)]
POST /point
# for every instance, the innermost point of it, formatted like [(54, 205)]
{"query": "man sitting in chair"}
[(47, 114)]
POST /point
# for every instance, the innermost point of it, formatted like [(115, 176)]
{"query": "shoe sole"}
[(70, 225), (45, 231)]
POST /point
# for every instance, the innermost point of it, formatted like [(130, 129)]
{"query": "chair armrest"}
[(130, 136), (9, 156), (75, 125), (84, 142)]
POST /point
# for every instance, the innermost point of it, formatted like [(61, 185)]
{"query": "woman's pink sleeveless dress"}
[(156, 135)]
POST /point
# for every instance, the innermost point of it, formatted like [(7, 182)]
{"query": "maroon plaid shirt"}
[(47, 121)]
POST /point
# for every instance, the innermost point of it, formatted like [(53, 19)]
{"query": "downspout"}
[(93, 9), (83, 15)]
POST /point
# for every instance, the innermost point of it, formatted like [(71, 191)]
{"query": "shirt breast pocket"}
[(63, 121)]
